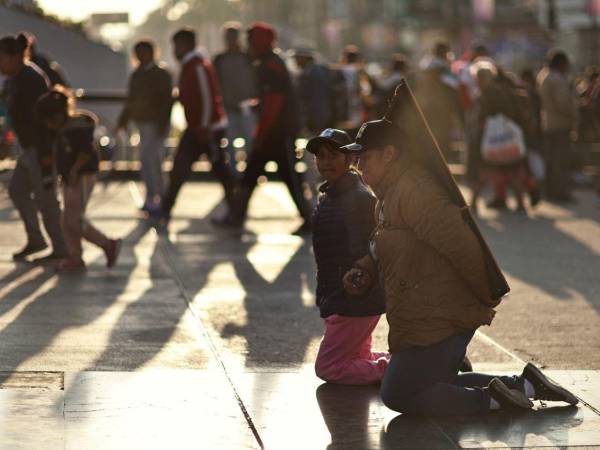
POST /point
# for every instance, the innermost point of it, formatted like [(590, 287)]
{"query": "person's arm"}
[(438, 222), (194, 94), (272, 100), (82, 141)]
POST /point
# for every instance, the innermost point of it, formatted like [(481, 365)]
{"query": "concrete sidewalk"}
[(204, 339)]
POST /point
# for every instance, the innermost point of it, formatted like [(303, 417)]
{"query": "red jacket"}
[(200, 95)]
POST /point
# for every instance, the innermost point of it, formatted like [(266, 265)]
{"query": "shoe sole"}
[(24, 256), (517, 401), (550, 385)]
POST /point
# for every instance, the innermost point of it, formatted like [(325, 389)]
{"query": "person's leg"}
[(219, 165), (20, 192), (425, 381), (500, 180), (345, 355), (88, 231), (47, 203), (557, 176), (234, 130), (254, 169), (71, 220), (564, 166), (151, 151), (187, 152)]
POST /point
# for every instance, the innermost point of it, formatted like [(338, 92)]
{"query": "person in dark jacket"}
[(32, 186), (237, 79), (77, 164), (342, 223), (314, 92), (148, 104), (276, 130), (50, 67)]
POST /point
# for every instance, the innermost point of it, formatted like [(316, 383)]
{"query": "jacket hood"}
[(261, 38)]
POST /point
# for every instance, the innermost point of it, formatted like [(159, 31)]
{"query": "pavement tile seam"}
[(170, 260), (168, 256)]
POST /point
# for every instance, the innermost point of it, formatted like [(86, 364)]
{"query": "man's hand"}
[(357, 281)]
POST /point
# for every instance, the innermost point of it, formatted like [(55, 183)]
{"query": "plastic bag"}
[(503, 141)]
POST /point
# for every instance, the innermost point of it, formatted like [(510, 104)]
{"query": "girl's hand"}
[(357, 281)]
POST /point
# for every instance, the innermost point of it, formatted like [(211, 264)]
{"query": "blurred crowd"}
[(513, 133)]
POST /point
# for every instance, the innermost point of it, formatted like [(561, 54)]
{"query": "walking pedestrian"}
[(437, 294), (357, 91), (148, 104), (498, 99), (274, 138), (32, 187), (342, 223), (314, 92), (238, 83), (558, 115), (438, 96), (200, 95), (77, 165)]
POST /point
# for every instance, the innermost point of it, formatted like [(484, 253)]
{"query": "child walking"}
[(342, 223), (72, 136)]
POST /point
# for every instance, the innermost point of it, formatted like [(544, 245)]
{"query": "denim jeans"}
[(152, 154), (425, 381), (30, 197)]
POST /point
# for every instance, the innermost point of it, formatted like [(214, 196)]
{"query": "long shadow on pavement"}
[(537, 252), (279, 326), (41, 321)]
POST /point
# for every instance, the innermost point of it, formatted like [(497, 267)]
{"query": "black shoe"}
[(29, 249), (508, 398), (546, 389), (51, 258), (466, 365), (497, 203)]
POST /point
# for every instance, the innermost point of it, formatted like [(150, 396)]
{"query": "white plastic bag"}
[(503, 141), (537, 165)]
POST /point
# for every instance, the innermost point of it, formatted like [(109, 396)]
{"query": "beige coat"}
[(429, 260)]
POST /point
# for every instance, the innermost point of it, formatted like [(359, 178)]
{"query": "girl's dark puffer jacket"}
[(342, 224)]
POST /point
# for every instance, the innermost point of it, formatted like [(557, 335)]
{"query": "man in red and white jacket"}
[(200, 95)]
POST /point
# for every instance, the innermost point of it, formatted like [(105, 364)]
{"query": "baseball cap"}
[(330, 136), (376, 133)]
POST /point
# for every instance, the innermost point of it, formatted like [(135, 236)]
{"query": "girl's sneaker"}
[(70, 265), (112, 251)]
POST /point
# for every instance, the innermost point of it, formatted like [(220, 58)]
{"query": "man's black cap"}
[(330, 136), (376, 133)]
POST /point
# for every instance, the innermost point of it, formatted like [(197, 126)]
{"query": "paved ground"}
[(205, 339)]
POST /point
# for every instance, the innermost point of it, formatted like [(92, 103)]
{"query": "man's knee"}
[(394, 398)]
